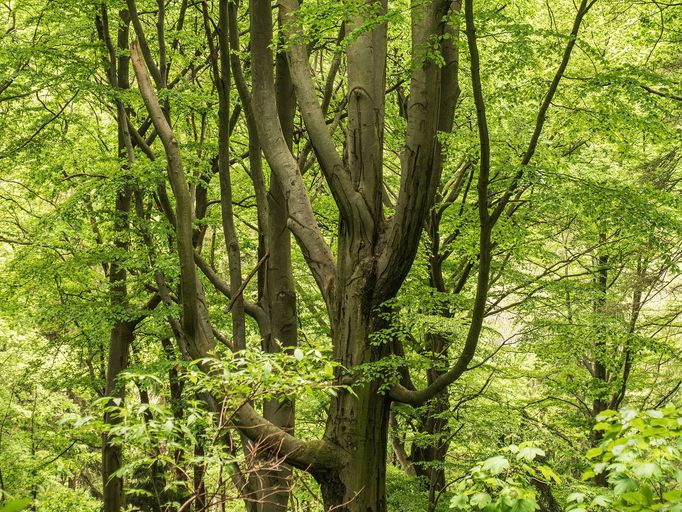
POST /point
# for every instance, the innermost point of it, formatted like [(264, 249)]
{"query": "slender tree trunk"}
[(281, 297), (153, 479), (601, 373), (200, 498), (429, 459), (112, 456), (546, 499), (122, 332), (175, 386)]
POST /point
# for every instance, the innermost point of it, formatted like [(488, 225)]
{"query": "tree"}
[(420, 301)]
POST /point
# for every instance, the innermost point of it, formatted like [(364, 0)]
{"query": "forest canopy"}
[(340, 255)]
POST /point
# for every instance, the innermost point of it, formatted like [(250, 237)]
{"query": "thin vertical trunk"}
[(280, 296), (600, 402), (428, 460), (112, 456), (175, 386), (600, 371), (546, 499), (223, 78), (200, 498), (122, 332), (151, 479)]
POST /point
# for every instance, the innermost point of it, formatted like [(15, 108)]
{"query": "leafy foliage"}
[(503, 483), (640, 453), (581, 316)]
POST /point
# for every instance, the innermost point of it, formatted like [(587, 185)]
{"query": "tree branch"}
[(399, 392), (544, 107), (348, 199), (302, 221)]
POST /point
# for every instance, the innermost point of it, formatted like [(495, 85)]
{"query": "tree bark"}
[(112, 455), (280, 296), (358, 421), (122, 332), (357, 425)]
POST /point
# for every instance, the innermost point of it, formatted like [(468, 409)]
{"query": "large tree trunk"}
[(358, 421), (370, 264), (360, 425)]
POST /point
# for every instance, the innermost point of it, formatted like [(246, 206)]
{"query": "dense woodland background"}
[(340, 255)]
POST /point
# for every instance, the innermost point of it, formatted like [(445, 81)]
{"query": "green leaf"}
[(647, 493), (635, 498), (674, 495), (599, 468), (646, 470), (481, 500), (549, 474), (459, 501), (623, 485), (601, 501), (530, 453), (496, 465), (525, 506), (15, 505), (594, 452), (576, 497)]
